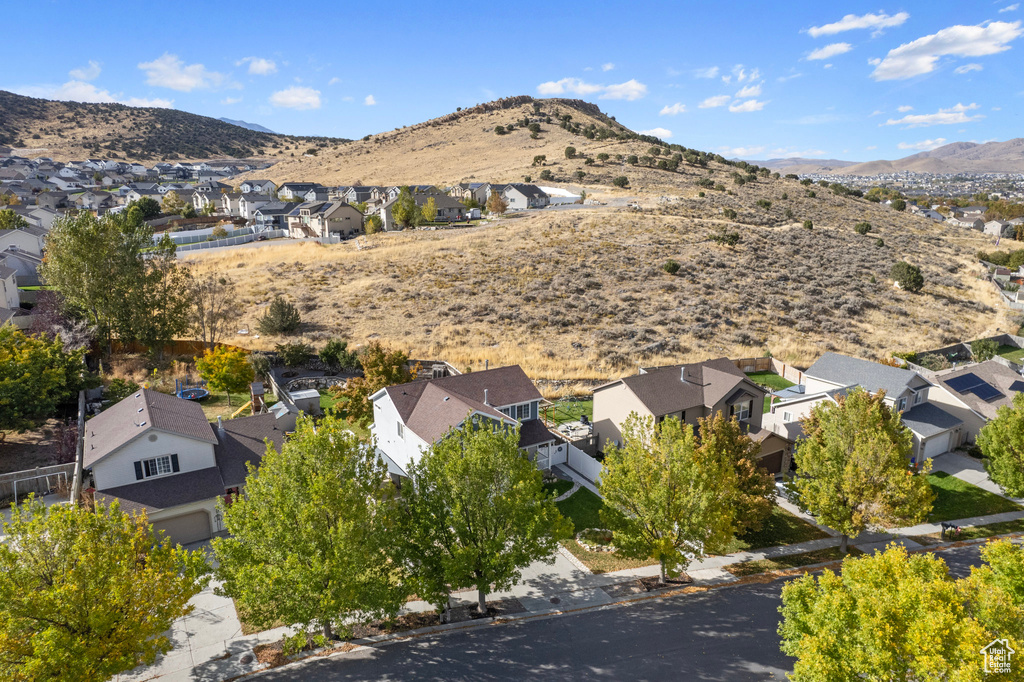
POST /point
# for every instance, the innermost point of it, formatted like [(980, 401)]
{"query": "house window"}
[(401, 430), (740, 410), (787, 417), (157, 466), (918, 397), (902, 405), (522, 412)]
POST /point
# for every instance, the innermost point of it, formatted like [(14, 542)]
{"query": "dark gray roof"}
[(162, 492), (138, 414), (927, 420), (995, 374), (533, 432), (531, 191), (6, 271), (872, 376), (244, 440)]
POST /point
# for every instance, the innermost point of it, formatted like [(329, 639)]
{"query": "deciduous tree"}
[(854, 465), (382, 367), (311, 538), (214, 307), (405, 210), (1002, 443), (162, 303), (496, 204), (429, 210), (665, 499), (9, 220), (226, 369), (477, 514), (172, 203), (724, 439), (88, 593)]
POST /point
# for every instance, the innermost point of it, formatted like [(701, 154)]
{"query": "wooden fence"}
[(176, 347), (39, 480)]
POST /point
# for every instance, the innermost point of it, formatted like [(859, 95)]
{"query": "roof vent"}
[(142, 424), (138, 395), (446, 398), (140, 409), (485, 397), (682, 374)]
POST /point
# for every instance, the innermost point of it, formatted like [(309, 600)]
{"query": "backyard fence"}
[(39, 480), (198, 236), (754, 364), (232, 241), (584, 464), (770, 364)]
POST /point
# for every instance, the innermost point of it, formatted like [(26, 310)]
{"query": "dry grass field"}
[(581, 293)]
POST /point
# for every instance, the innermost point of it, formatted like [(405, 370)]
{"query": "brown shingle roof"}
[(138, 414)]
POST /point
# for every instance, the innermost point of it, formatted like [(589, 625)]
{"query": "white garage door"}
[(936, 446), (185, 528)]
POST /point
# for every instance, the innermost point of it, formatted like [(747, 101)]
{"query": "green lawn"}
[(958, 499), (583, 509), (558, 487), (771, 381), (562, 411), (792, 561), (781, 528), (1011, 353), (974, 532)]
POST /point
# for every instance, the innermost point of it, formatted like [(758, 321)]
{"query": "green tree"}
[(405, 210), (664, 498), (310, 540), (372, 224), (214, 307), (429, 210), (580, 175), (621, 181), (899, 204), (36, 375), (908, 276), (984, 349), (854, 464), (226, 369), (162, 303), (723, 439), (1002, 443), (496, 204), (477, 514), (281, 317), (539, 159), (862, 228), (88, 593), (149, 208), (209, 208), (219, 233), (671, 266), (173, 204), (9, 220), (602, 157), (382, 367), (894, 616), (294, 354), (570, 152), (336, 355), (546, 174), (632, 160)]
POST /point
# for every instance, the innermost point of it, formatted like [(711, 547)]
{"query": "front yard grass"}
[(958, 499), (782, 563), (1011, 353), (583, 507), (973, 532)]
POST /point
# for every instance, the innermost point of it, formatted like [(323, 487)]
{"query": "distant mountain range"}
[(248, 126), (956, 157)]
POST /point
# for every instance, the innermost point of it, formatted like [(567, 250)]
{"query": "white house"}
[(521, 196), (258, 187), (408, 418), (157, 453)]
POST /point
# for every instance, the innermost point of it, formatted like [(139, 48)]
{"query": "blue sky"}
[(750, 79)]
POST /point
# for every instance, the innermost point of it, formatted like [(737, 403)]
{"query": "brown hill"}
[(74, 130)]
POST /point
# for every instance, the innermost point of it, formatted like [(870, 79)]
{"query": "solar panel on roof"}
[(986, 392), (964, 383), (1017, 386)]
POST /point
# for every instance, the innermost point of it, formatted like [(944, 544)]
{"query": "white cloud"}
[(673, 110), (852, 22), (710, 72), (607, 67), (742, 151), (783, 79), (920, 56), (334, 81), (573, 85), (967, 68), (1010, 8), (750, 91), (795, 153), (741, 74), (258, 65), (749, 105), (630, 90), (871, 147), (827, 66), (951, 116), (904, 109), (716, 101), (661, 133), (923, 145), (80, 91), (296, 97), (877, 112), (830, 51), (86, 73), (727, 79), (369, 101), (169, 71), (231, 100)]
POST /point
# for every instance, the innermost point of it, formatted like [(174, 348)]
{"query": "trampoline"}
[(193, 393)]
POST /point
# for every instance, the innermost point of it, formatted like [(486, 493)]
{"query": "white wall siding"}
[(118, 468)]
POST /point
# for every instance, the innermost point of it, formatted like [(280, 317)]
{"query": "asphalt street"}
[(725, 634)]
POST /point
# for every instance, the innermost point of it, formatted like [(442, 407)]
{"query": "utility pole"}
[(76, 482)]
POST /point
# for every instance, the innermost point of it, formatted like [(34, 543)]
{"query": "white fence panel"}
[(584, 464)]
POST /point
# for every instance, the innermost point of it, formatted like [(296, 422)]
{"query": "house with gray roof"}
[(975, 392), (687, 393), (409, 418), (157, 453), (520, 196), (935, 430)]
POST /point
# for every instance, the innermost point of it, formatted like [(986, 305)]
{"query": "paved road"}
[(725, 634)]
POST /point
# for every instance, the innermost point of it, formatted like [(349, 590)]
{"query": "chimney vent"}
[(485, 397), (220, 423), (682, 374)]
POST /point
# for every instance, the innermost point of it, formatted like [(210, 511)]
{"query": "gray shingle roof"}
[(243, 440), (873, 377), (138, 414), (997, 375), (162, 492), (927, 420)]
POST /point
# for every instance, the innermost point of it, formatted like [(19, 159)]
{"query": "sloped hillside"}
[(75, 130)]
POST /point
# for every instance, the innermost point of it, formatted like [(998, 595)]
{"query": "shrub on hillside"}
[(670, 266), (808, 224), (908, 276), (281, 318), (621, 181), (862, 228)]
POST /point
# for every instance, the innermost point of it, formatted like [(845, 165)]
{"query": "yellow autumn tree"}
[(226, 369)]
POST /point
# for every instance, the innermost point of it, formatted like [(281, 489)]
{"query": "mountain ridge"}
[(248, 126)]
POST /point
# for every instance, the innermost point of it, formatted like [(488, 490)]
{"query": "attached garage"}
[(773, 462), (186, 528), (935, 446)]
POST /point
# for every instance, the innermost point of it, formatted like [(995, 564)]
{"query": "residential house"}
[(229, 203), (999, 228), (95, 201), (977, 223), (157, 453), (409, 418), (522, 196), (25, 265), (316, 194), (974, 393), (688, 393), (470, 190), (293, 191), (200, 200), (258, 187), (448, 209), (10, 297), (360, 194), (52, 200), (935, 430), (66, 184), (212, 187), (248, 203), (136, 194), (41, 217), (272, 216), (324, 219), (29, 239)]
